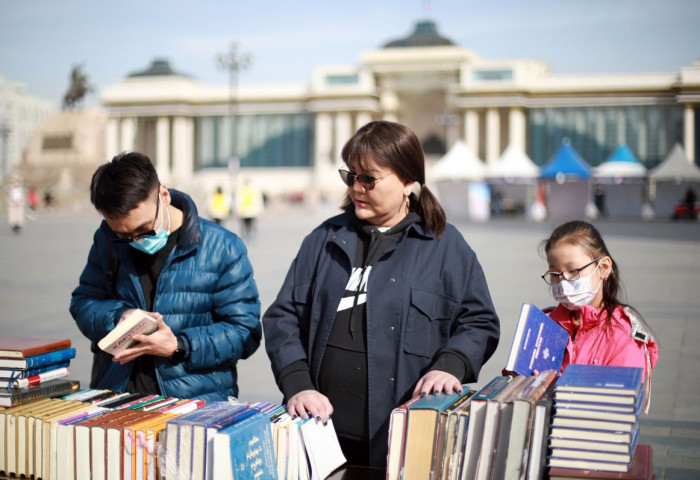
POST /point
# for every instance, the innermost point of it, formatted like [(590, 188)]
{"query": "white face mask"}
[(577, 293)]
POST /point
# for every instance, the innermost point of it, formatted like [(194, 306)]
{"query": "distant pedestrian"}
[(689, 200), (33, 198), (249, 205), (599, 198), (15, 207), (219, 206)]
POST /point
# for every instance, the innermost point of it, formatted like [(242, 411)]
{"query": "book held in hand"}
[(539, 343), (121, 338)]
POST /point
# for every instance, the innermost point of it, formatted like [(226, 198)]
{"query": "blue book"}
[(178, 436), (38, 360), (603, 379), (245, 450), (538, 344)]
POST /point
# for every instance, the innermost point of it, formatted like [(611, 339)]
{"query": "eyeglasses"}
[(150, 233), (367, 181), (573, 274)]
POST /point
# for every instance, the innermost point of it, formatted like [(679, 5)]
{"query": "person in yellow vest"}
[(219, 206), (249, 204)]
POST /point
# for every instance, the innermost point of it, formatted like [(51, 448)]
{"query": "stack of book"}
[(34, 368), (595, 425)]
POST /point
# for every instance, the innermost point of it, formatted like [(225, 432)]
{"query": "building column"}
[(516, 120), (163, 148), (183, 159), (127, 137), (112, 140), (343, 132), (493, 135), (322, 156), (689, 131), (362, 119), (471, 130), (389, 102)]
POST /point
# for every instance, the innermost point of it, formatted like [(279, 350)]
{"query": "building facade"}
[(19, 114), (288, 138)]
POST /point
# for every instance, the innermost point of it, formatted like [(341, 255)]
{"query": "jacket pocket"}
[(428, 322)]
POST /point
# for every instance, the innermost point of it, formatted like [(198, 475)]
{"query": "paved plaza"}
[(659, 263)]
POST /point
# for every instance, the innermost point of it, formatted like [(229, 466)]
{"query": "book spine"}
[(40, 378), (21, 397), (49, 358)]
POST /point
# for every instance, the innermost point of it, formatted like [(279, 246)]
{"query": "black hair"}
[(395, 146), (586, 236), (118, 186)]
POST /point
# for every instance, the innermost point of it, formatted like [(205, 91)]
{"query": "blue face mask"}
[(152, 245)]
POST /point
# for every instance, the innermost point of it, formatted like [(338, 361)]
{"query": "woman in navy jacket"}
[(383, 302)]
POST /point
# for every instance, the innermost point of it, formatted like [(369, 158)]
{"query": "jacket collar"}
[(190, 233), (345, 220)]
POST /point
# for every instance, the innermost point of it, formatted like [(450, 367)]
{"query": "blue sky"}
[(41, 39)]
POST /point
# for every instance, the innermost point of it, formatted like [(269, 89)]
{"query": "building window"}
[(595, 132), (349, 79), (493, 75), (275, 140)]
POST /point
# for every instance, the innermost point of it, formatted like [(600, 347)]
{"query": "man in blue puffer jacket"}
[(153, 252)]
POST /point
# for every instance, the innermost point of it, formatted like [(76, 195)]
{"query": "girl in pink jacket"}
[(584, 280)]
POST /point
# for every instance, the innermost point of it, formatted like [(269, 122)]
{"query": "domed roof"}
[(158, 68), (424, 35)]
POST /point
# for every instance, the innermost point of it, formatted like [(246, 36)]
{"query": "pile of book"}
[(248, 441), (595, 425), (34, 368), (499, 431), (87, 434)]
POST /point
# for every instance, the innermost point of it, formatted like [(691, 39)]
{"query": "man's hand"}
[(162, 342)]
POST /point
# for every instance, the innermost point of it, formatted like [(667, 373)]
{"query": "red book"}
[(23, 347), (642, 469)]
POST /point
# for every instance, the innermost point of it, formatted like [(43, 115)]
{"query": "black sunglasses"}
[(140, 236), (367, 181)]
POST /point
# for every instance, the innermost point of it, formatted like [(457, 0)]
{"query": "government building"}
[(288, 138)]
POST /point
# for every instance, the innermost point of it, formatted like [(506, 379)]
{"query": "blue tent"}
[(566, 162), (622, 154)]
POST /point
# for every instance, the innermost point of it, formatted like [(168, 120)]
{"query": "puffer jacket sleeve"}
[(92, 306), (236, 331)]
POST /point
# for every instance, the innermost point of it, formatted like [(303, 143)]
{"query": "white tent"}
[(513, 179), (670, 181), (453, 174), (622, 180), (459, 163)]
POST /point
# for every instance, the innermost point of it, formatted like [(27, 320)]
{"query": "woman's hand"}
[(310, 402), (437, 381)]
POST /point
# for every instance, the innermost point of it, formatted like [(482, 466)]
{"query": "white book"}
[(121, 338)]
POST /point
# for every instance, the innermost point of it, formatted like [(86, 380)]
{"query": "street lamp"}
[(233, 61)]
